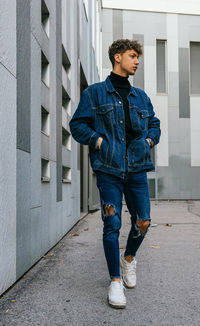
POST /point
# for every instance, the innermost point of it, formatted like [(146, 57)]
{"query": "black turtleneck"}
[(122, 86)]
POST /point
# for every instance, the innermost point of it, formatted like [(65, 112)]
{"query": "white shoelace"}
[(118, 286), (130, 267)]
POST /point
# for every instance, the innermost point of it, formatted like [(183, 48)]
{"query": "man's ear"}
[(117, 57)]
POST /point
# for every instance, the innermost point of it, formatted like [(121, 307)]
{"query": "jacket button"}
[(121, 121), (122, 139), (120, 102)]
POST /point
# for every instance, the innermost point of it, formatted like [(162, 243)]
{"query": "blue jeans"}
[(135, 188)]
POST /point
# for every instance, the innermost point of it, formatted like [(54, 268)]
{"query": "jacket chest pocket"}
[(143, 118), (106, 116)]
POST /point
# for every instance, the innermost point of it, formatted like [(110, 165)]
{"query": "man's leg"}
[(138, 203), (135, 238), (137, 199), (111, 192)]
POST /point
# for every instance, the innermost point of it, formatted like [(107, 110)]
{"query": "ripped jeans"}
[(135, 188)]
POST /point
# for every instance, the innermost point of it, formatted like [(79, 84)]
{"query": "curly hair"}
[(121, 46)]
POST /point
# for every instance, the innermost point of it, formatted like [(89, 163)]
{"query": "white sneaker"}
[(116, 297), (128, 271)]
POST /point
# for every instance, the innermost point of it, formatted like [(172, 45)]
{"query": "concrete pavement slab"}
[(68, 286)]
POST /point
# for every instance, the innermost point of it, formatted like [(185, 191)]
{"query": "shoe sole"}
[(116, 306), (127, 286)]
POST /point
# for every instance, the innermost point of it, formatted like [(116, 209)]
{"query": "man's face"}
[(127, 62)]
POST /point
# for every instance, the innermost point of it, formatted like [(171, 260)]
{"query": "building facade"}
[(50, 51), (169, 72)]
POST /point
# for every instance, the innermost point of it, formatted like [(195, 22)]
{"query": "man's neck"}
[(119, 72)]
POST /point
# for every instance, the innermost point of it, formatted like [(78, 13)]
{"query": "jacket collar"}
[(110, 88)]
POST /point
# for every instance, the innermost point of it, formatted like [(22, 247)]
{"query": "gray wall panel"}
[(161, 66), (106, 42), (37, 234), (195, 67), (52, 94), (173, 89), (8, 35), (58, 102), (23, 75), (23, 199), (78, 28), (117, 24), (35, 122), (7, 177), (138, 79), (172, 184), (107, 17), (184, 98)]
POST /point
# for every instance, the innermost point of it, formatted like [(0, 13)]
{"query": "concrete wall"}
[(35, 213), (168, 6), (177, 174), (8, 144)]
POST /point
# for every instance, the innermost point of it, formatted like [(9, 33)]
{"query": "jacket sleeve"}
[(81, 122), (154, 131)]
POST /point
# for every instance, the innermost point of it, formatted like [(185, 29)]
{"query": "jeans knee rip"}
[(111, 218), (143, 225), (108, 209), (137, 230)]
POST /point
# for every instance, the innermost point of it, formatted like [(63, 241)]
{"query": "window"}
[(66, 175), (45, 173), (66, 101), (65, 61), (161, 66), (195, 67), (45, 17), (44, 121), (66, 139), (45, 70)]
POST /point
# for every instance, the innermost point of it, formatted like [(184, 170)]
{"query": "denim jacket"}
[(100, 114)]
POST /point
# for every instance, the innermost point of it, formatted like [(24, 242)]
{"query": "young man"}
[(118, 123)]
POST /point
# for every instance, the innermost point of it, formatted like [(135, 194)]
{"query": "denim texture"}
[(100, 113), (134, 186)]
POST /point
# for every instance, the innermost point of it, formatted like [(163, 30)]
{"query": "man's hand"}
[(100, 139), (149, 142)]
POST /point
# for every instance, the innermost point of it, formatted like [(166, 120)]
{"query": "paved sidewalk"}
[(69, 285)]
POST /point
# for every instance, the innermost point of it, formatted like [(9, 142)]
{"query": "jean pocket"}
[(137, 151)]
